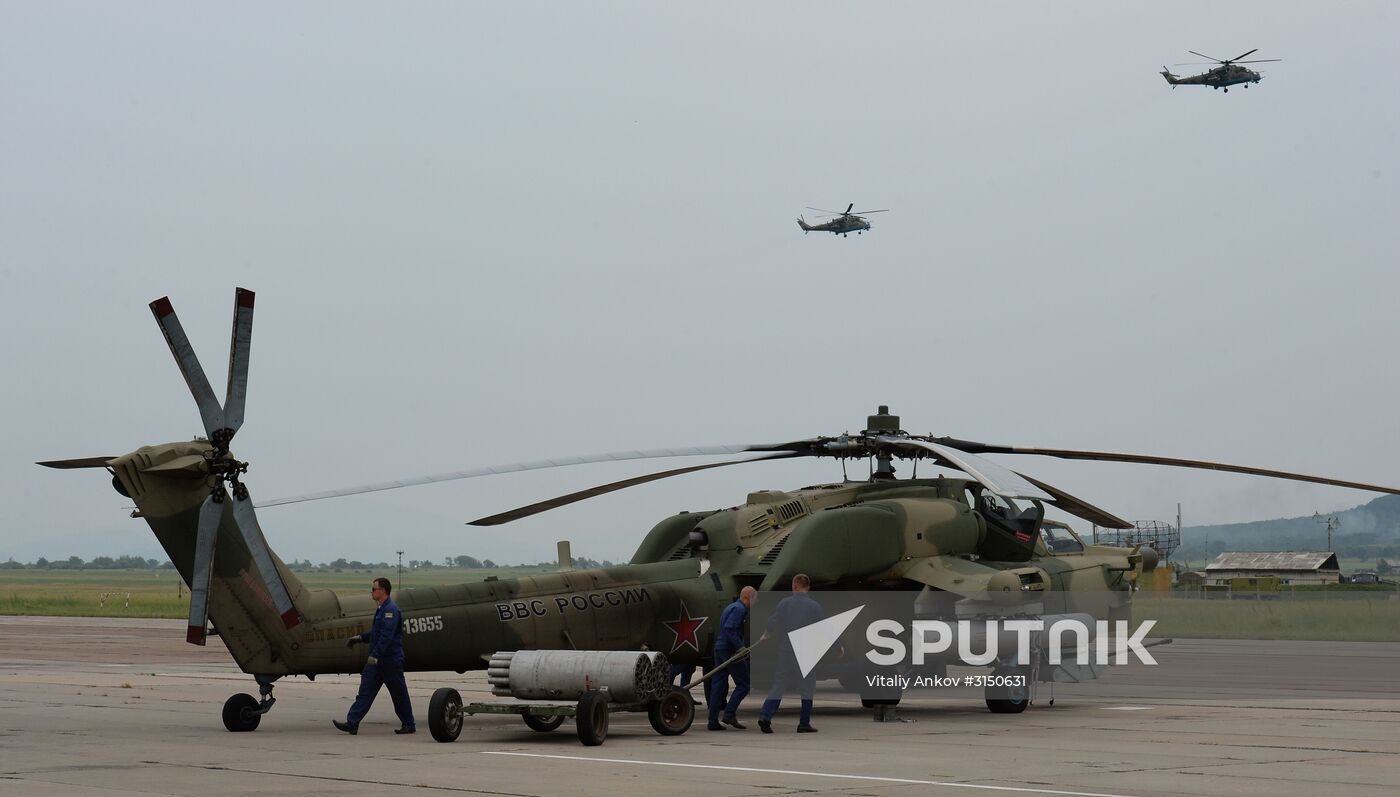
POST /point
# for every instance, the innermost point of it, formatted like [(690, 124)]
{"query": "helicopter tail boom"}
[(801, 222), (1172, 79)]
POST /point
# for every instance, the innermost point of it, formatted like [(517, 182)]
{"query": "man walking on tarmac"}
[(729, 642), (384, 667), (795, 611)]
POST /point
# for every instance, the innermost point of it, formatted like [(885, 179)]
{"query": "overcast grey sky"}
[(492, 232)]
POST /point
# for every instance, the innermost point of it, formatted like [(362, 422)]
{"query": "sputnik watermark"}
[(933, 637)]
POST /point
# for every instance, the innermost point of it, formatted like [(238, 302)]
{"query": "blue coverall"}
[(729, 642), (385, 639), (793, 612)]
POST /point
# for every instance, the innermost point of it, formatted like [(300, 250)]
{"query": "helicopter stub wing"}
[(956, 575)]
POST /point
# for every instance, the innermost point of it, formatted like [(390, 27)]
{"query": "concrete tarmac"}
[(102, 706)]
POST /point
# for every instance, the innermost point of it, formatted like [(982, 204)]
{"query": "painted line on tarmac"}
[(874, 778), (1127, 708)]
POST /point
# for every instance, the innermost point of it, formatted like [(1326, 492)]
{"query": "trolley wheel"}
[(673, 713), (445, 715), (543, 724), (592, 718), (239, 713)]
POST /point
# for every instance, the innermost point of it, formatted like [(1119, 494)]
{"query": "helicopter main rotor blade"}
[(617, 456), (1259, 61), (602, 489), (1144, 459), (848, 209), (247, 522), (209, 410), (1078, 506), (1237, 58), (210, 515), (824, 210), (1005, 483), (863, 212), (241, 341), (1203, 55)]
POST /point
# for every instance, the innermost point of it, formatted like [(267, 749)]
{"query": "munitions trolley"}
[(670, 715)]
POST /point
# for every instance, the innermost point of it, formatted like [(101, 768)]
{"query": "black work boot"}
[(345, 726)]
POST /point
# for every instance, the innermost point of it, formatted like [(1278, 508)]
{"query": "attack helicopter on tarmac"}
[(1228, 73), (843, 224), (954, 539)]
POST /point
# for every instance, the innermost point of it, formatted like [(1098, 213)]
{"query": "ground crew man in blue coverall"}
[(731, 641), (795, 611), (384, 666)]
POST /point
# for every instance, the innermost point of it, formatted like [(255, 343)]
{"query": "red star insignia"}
[(684, 627)]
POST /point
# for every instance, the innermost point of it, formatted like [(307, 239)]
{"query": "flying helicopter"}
[(1228, 74), (949, 539), (843, 224)]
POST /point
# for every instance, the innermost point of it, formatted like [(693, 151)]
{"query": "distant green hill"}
[(1369, 531)]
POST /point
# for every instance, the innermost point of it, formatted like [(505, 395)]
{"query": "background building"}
[(1291, 567)]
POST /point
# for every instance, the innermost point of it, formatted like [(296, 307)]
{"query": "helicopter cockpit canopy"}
[(1060, 539), (1013, 525)]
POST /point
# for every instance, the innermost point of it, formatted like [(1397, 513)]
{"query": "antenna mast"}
[(1332, 523)]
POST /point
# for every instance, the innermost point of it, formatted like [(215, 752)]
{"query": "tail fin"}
[(168, 484), (801, 222), (1166, 73)]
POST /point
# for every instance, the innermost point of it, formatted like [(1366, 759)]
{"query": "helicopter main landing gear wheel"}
[(1010, 699), (445, 715), (879, 702), (241, 713)]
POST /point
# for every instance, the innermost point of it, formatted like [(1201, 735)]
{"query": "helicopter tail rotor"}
[(221, 423)]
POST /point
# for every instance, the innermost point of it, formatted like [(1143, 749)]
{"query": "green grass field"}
[(1338, 614), (161, 593), (1356, 616)]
